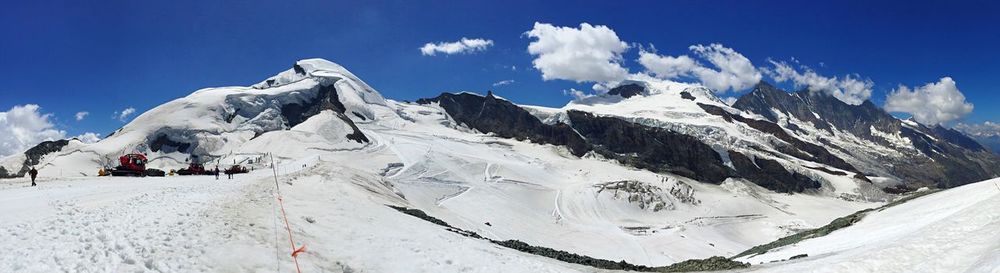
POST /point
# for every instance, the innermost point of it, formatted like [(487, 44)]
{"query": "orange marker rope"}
[(281, 202)]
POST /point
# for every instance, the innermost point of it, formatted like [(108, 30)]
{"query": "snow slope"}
[(336, 190), (957, 230), (542, 195), (199, 224), (216, 122)]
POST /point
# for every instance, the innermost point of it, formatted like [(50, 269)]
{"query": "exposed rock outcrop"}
[(650, 148), (802, 150), (327, 99), (33, 156), (923, 156), (770, 174), (489, 114), (627, 90), (632, 144)]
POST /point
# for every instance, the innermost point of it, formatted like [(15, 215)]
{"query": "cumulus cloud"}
[(81, 115), (577, 94), (732, 71), (23, 126), (730, 100), (933, 103), (465, 45), (585, 54), (667, 67), (88, 137), (850, 89), (984, 129), (503, 82), (124, 114)]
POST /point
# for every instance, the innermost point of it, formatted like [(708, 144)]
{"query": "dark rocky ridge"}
[(770, 174), (820, 108), (958, 138), (33, 156), (650, 148), (46, 147), (632, 144), (687, 95), (162, 142), (991, 142), (947, 158), (492, 115), (327, 99), (803, 150), (627, 90)]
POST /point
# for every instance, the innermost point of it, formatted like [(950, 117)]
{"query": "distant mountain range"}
[(776, 139)]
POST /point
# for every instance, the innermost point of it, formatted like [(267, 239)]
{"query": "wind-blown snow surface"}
[(957, 230), (336, 191)]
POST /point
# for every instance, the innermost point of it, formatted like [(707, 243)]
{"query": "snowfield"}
[(199, 224), (337, 209), (957, 230), (337, 192)]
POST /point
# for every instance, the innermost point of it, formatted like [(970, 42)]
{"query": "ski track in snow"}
[(119, 236)]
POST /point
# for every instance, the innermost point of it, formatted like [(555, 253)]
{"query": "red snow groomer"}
[(235, 169), (194, 168), (134, 165)]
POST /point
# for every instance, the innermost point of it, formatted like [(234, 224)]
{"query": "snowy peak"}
[(627, 90), (315, 101), (871, 136)]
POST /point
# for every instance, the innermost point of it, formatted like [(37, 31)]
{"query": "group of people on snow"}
[(33, 173)]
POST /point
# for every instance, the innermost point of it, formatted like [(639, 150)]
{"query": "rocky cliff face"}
[(799, 133), (824, 111), (327, 99), (632, 144), (627, 90), (490, 114), (650, 148), (873, 140), (33, 156)]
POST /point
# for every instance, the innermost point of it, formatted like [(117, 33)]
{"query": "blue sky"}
[(102, 57)]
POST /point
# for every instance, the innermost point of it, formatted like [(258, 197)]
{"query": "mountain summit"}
[(873, 140)]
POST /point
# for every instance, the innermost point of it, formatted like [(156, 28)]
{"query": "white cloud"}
[(23, 127), (667, 67), (124, 114), (585, 54), (730, 100), (984, 129), (88, 137), (732, 71), (81, 115), (933, 103), (503, 82), (849, 89), (465, 45), (577, 94)]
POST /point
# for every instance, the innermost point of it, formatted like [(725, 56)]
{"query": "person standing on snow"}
[(33, 173), (216, 172)]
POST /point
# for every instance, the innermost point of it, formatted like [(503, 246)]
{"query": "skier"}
[(33, 173), (230, 174), (216, 172)]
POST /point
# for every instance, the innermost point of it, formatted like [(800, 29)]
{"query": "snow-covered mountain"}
[(874, 141), (651, 173), (314, 102)]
